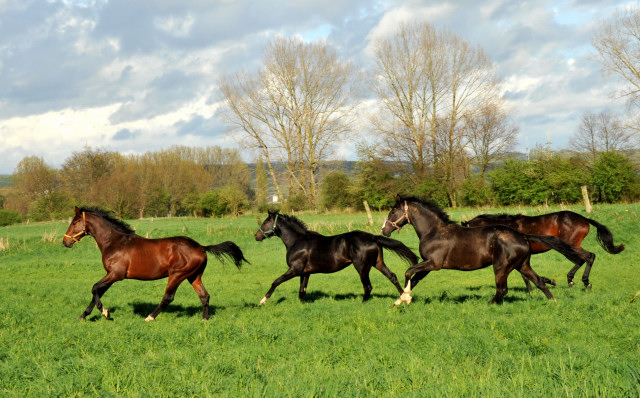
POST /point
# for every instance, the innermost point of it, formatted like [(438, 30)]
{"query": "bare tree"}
[(601, 132), (293, 109), (429, 83), (618, 44), (490, 134)]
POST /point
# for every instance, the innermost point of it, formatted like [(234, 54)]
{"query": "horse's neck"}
[(425, 222), (103, 232), (289, 234)]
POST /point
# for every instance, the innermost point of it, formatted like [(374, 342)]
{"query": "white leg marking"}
[(264, 300), (105, 312), (149, 318)]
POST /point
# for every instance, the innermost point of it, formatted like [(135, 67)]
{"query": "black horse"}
[(309, 252), (445, 244), (569, 226)]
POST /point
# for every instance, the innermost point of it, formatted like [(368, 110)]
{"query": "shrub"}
[(8, 217), (614, 178), (337, 191), (52, 206), (433, 188), (476, 191), (297, 202)]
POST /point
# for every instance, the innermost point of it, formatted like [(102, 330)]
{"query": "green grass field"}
[(449, 342)]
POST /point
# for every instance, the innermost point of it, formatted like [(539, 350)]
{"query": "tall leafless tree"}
[(294, 108), (429, 83), (490, 134), (617, 41), (601, 132)]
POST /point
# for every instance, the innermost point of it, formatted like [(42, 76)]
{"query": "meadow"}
[(448, 342)]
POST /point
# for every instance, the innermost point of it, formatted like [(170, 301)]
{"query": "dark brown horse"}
[(571, 227), (447, 245), (127, 255), (309, 252)]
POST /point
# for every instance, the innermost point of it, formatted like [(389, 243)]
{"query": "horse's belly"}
[(144, 268), (467, 259)]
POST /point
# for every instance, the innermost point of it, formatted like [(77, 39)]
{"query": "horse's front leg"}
[(291, 272), (422, 269), (97, 291)]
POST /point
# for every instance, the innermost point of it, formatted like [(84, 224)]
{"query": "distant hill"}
[(6, 180)]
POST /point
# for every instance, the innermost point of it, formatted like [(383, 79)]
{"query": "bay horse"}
[(309, 252), (571, 227), (127, 255), (447, 245)]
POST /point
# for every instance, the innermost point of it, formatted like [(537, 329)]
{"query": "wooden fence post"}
[(585, 196), (366, 207)]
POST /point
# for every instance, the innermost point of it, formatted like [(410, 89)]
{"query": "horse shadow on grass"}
[(313, 296), (145, 308), (447, 297)]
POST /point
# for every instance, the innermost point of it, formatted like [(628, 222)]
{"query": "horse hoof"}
[(264, 300), (588, 286), (553, 282), (82, 318), (105, 312), (571, 284), (149, 318)]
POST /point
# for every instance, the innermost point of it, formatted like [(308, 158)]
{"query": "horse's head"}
[(268, 228), (397, 218), (77, 229)]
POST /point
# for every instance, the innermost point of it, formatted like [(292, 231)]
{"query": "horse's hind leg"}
[(196, 282), (587, 256), (97, 291), (382, 267), (304, 280), (169, 294), (528, 283), (366, 284), (501, 275), (527, 271), (591, 257)]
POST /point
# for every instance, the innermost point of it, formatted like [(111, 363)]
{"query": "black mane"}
[(297, 223), (431, 206), (107, 215), (501, 216)]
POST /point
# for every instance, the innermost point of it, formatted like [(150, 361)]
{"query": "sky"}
[(136, 76)]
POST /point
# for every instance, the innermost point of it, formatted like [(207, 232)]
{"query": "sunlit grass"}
[(449, 342)]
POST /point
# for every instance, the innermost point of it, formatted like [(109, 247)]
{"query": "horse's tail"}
[(398, 247), (228, 249), (558, 245), (605, 238)]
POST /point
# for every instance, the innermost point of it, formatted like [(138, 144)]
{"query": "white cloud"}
[(77, 73), (178, 26)]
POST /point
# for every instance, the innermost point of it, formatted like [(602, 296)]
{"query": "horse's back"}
[(149, 259)]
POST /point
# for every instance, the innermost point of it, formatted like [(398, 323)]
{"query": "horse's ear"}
[(398, 198), (270, 212), (75, 208)]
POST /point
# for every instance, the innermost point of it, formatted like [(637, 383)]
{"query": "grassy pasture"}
[(449, 342)]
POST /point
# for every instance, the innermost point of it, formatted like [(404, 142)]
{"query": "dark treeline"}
[(211, 181)]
